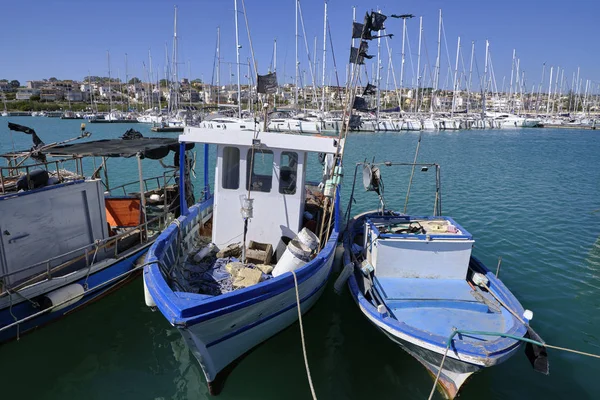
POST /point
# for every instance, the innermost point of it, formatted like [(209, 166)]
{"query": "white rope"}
[(312, 389)]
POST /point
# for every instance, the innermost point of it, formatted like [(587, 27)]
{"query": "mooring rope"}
[(485, 333), (437, 377), (312, 389)]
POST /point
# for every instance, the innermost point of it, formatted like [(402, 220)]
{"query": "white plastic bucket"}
[(309, 239), (296, 255)]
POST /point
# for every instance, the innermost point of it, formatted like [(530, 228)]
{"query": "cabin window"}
[(259, 171), (231, 168), (288, 168)]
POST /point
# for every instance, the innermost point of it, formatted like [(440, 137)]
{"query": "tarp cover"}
[(359, 32), (370, 90), (360, 104), (154, 148), (267, 83)]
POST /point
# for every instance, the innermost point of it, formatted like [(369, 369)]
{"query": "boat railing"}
[(19, 169), (168, 177), (87, 253)]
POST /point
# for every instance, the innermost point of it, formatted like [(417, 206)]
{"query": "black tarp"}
[(355, 122), (355, 58), (359, 31), (153, 148), (20, 128), (375, 21), (357, 55), (267, 83), (360, 104), (370, 89)]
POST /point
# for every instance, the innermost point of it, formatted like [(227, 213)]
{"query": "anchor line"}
[(310, 383)]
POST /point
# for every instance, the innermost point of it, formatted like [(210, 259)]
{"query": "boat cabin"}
[(417, 247), (267, 167)]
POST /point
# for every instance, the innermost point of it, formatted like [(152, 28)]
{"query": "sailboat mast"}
[(439, 48), (549, 91), (485, 71), (237, 59), (314, 73), (296, 77), (455, 86), (437, 63), (150, 96), (109, 93), (402, 61), (127, 84), (218, 66), (470, 75), (324, 58), (419, 63), (378, 78), (512, 70), (275, 71), (175, 103)]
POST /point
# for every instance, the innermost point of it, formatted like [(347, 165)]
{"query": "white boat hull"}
[(218, 342)]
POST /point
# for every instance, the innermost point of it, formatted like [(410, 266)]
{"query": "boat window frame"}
[(288, 187), (252, 176), (231, 169)]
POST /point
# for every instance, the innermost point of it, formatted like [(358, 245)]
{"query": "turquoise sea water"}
[(530, 196)]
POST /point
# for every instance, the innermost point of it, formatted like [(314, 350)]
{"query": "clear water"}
[(530, 196)]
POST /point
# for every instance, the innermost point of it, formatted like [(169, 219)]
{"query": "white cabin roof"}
[(274, 140)]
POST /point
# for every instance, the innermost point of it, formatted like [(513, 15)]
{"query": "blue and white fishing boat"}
[(67, 239), (415, 279), (265, 175)]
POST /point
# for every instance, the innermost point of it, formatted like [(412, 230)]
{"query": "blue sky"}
[(68, 38)]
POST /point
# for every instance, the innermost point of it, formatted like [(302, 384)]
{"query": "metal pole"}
[(106, 174), (142, 194), (412, 174)]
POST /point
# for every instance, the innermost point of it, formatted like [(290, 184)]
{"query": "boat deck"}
[(439, 305)]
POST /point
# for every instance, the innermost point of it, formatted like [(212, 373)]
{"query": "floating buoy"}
[(338, 258), (343, 277), (147, 296), (63, 297)]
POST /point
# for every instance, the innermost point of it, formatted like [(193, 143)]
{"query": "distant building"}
[(26, 93), (6, 87), (76, 95), (36, 84), (50, 94), (195, 96)]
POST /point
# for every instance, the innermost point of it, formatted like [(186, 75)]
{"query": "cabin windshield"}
[(259, 170)]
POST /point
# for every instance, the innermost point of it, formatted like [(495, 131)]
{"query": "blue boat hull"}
[(465, 355), (99, 284), (219, 330)]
